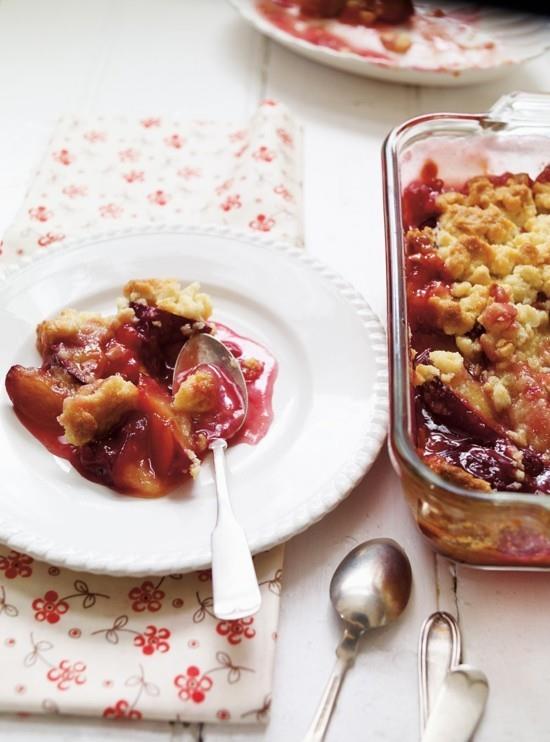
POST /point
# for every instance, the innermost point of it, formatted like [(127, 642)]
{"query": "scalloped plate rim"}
[(312, 509)]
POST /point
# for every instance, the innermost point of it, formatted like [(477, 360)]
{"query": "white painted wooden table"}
[(197, 57)]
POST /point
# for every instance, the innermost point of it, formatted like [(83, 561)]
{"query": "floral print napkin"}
[(106, 173), (132, 648), (136, 648)]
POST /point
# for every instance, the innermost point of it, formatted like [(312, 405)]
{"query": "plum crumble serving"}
[(478, 294), (102, 397)]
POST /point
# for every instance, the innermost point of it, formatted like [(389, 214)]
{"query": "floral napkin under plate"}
[(108, 172), (76, 643)]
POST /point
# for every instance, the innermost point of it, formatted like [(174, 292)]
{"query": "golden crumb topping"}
[(493, 239), (168, 295), (197, 393), (96, 408), (69, 326)]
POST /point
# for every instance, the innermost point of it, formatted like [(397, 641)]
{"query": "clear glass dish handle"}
[(521, 107)]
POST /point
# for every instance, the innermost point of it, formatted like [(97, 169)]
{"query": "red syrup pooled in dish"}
[(225, 404), (259, 383), (448, 427), (147, 453)]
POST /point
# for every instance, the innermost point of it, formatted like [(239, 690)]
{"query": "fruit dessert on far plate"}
[(478, 292), (102, 397), (390, 33)]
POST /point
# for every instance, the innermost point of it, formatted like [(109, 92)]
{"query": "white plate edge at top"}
[(350, 62), (311, 511)]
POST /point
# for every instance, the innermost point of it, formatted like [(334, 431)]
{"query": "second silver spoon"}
[(370, 588)]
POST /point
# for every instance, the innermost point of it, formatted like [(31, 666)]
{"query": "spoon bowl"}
[(204, 349), (371, 585)]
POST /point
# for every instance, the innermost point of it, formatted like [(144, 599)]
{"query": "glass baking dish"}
[(488, 530)]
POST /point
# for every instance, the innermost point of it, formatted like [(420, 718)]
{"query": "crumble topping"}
[(96, 408), (496, 247), (69, 326), (490, 298), (168, 295), (197, 393)]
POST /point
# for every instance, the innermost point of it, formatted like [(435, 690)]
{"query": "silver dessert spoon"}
[(234, 581), (369, 589)]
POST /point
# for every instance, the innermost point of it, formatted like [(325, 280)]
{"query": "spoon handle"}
[(319, 725), (235, 585), (439, 650)]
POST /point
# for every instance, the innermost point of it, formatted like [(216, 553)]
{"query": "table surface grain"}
[(197, 58)]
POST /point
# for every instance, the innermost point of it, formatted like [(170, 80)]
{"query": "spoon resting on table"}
[(369, 589), (235, 585)]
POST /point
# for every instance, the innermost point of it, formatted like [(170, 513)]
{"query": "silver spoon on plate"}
[(235, 585), (369, 589)]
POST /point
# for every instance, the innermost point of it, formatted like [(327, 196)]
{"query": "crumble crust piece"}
[(96, 408), (68, 326), (168, 295), (196, 393)]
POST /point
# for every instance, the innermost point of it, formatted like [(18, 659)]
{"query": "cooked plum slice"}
[(39, 394)]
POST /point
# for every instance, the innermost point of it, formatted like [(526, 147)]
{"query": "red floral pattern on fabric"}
[(63, 157), (66, 674), (121, 710), (231, 202), (134, 176), (74, 191), (223, 715), (193, 686), (111, 211), (238, 136), (240, 152), (16, 564), (237, 630), (153, 640), (175, 140), (189, 172), (49, 608), (128, 155), (158, 197), (285, 137), (49, 238), (264, 154), (281, 190), (40, 213), (93, 136), (262, 223), (146, 597), (150, 122)]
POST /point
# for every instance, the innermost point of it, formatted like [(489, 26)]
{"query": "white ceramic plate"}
[(329, 401), (518, 37)]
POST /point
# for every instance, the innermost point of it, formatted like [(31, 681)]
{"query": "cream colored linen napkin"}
[(134, 648)]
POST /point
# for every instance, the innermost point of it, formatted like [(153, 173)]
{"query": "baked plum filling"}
[(478, 288), (358, 12), (314, 21), (103, 399)]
